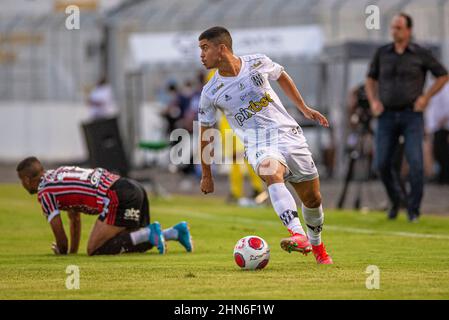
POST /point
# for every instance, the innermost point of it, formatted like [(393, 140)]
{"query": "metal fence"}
[(40, 59)]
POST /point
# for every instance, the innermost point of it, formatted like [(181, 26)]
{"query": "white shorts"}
[(292, 151)]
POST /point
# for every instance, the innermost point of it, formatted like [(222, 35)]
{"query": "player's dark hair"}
[(29, 165), (408, 19), (217, 35)]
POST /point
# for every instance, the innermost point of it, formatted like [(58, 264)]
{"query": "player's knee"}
[(312, 200), (270, 179), (271, 172)]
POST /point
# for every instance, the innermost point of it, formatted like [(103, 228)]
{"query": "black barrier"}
[(105, 145)]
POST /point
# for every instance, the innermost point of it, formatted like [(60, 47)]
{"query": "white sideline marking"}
[(208, 216), (388, 233)]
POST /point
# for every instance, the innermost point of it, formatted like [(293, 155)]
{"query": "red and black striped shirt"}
[(74, 188)]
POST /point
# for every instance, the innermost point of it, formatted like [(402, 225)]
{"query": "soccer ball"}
[(251, 252)]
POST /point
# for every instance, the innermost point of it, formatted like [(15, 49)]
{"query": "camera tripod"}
[(359, 155)]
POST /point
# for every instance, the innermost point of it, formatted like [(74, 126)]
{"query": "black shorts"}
[(128, 206)]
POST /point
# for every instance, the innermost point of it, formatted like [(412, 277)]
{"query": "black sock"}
[(122, 243)]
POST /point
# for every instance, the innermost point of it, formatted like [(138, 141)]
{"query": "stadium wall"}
[(48, 130), (52, 130)]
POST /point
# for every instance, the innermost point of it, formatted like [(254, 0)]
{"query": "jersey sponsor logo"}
[(252, 109), (74, 172), (243, 96), (214, 91), (227, 97), (257, 79), (132, 214), (257, 64)]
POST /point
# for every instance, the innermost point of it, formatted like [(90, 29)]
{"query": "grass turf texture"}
[(412, 266)]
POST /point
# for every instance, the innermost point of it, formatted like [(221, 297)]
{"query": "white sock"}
[(170, 234), (314, 218), (285, 206), (140, 236)]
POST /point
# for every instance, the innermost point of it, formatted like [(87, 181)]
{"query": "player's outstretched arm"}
[(61, 245), (207, 152), (292, 92), (75, 230)]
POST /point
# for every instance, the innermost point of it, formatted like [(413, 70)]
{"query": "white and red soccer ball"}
[(252, 252)]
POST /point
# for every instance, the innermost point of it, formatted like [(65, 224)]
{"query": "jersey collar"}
[(243, 65)]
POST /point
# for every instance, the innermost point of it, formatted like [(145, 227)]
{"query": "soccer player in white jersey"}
[(274, 143)]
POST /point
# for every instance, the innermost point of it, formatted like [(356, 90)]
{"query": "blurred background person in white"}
[(101, 101), (437, 123)]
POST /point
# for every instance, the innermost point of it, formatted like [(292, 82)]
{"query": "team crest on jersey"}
[(257, 79), (253, 108), (214, 91), (96, 177)]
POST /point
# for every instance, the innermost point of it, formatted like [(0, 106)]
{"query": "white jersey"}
[(251, 106)]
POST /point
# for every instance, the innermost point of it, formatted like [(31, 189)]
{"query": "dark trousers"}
[(391, 125)]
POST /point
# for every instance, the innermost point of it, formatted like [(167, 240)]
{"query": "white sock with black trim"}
[(314, 218), (285, 206)]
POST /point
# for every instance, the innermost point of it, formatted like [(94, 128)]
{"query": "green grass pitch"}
[(412, 258)]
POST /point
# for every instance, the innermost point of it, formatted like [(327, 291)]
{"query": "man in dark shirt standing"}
[(394, 87)]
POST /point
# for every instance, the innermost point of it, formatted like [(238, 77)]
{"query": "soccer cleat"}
[(184, 236), (296, 242), (321, 255), (156, 237)]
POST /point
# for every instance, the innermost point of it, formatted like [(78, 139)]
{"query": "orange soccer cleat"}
[(321, 255)]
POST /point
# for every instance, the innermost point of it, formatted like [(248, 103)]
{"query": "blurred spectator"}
[(437, 123), (181, 112), (101, 101), (191, 113), (172, 112), (178, 105)]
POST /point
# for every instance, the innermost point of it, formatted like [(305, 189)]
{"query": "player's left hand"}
[(55, 249), (316, 116)]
